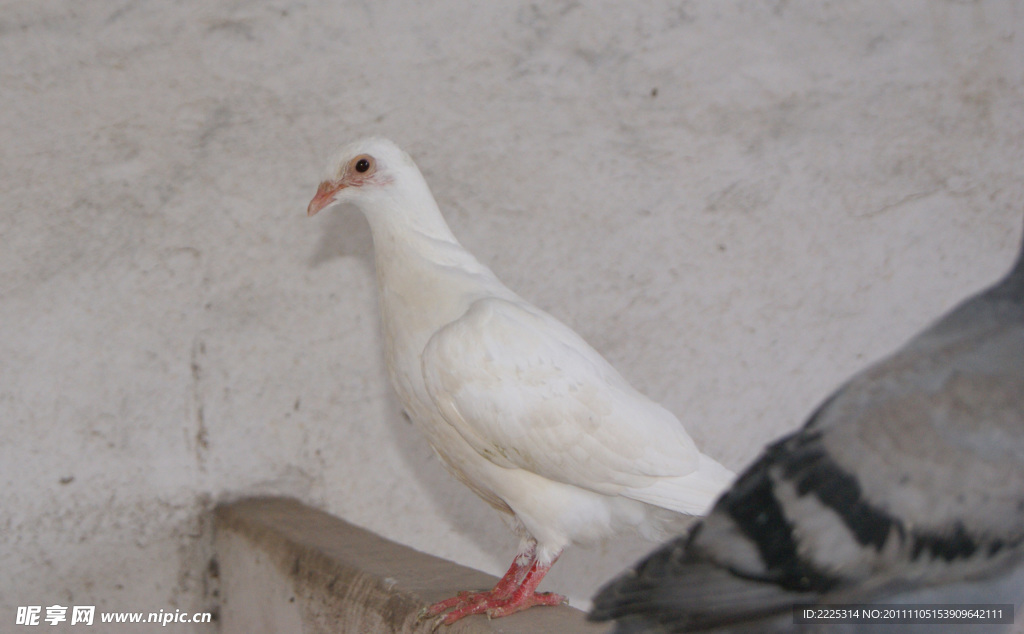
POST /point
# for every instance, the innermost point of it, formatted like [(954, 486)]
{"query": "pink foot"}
[(511, 606), (460, 601), (482, 602), (506, 586), (515, 592)]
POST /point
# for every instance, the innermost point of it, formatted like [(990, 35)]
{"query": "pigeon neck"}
[(408, 211), (424, 276), (412, 241)]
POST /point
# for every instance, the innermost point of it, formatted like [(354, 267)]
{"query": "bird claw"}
[(469, 603), (435, 622), (458, 602), (509, 606), (515, 591), (461, 605)]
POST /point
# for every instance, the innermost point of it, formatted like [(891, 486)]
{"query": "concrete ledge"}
[(286, 567)]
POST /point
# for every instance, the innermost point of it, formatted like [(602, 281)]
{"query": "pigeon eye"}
[(362, 164)]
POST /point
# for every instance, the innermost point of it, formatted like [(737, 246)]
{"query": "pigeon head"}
[(361, 171)]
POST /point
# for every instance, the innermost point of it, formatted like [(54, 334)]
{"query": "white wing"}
[(527, 392)]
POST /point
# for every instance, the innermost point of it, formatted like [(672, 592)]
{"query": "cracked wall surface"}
[(738, 204)]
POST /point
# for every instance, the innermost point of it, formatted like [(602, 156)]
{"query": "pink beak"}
[(324, 196)]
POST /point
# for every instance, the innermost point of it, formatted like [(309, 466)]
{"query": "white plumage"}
[(515, 403)]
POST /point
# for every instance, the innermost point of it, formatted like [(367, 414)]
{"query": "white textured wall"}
[(739, 203)]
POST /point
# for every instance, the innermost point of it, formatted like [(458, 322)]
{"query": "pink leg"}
[(506, 598), (526, 595), (505, 587)]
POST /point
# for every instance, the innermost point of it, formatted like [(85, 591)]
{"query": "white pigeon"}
[(519, 408), (906, 486)]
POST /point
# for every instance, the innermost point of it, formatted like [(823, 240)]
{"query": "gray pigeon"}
[(905, 486)]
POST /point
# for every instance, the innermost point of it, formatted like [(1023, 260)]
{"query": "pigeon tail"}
[(692, 494), (676, 592)]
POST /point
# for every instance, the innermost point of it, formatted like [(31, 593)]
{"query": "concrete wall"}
[(739, 203)]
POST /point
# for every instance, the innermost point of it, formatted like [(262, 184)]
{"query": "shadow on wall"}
[(345, 233)]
